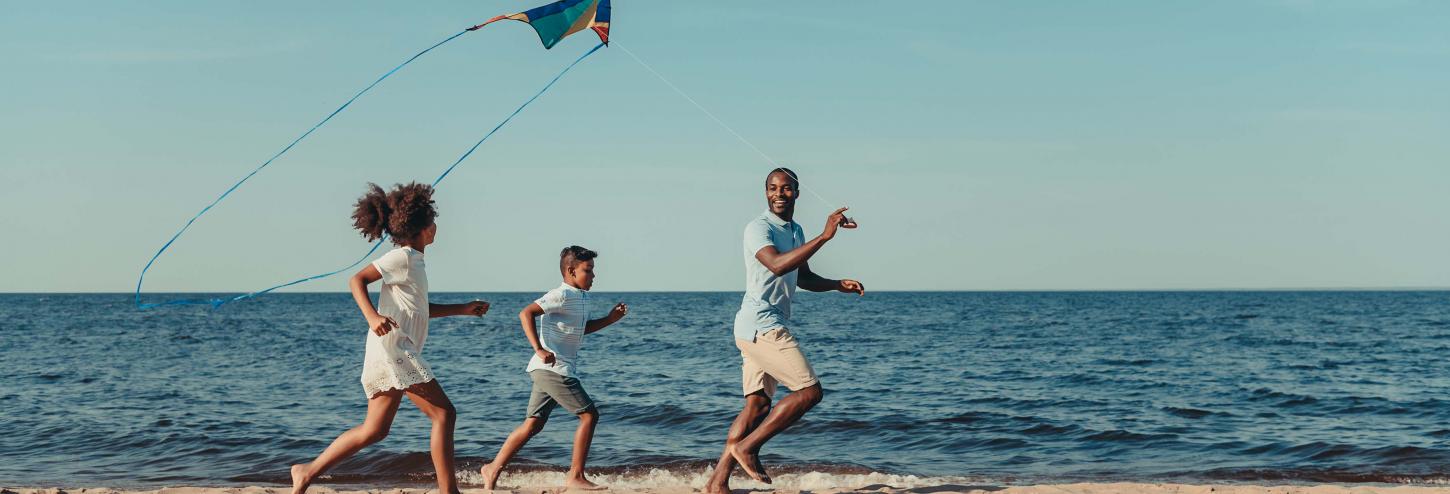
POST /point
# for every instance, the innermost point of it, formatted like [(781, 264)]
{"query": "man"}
[(776, 255)]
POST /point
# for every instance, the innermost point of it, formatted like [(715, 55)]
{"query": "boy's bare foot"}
[(582, 484), (490, 476), (749, 463), (299, 478)]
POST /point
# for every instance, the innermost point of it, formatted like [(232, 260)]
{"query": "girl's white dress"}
[(395, 360)]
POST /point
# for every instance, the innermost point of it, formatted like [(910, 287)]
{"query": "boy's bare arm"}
[(526, 318), (618, 312)]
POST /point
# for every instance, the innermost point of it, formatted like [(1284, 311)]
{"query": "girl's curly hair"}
[(402, 213)]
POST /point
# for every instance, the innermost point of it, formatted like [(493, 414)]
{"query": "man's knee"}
[(757, 403), (812, 394), (589, 415)]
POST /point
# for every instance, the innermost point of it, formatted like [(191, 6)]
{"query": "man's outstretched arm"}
[(780, 264), (810, 281)]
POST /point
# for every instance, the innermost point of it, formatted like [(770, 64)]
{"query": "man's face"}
[(780, 194)]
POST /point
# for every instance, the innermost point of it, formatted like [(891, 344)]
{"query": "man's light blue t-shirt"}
[(766, 304)]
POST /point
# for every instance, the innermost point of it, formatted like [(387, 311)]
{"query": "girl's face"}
[(428, 234)]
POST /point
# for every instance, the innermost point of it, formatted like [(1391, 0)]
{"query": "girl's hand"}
[(852, 286), (476, 308), (619, 311), (545, 355), (381, 324)]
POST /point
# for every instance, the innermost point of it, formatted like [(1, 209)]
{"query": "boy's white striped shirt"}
[(561, 329)]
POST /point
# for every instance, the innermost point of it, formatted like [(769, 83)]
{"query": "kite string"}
[(216, 302), (717, 120)]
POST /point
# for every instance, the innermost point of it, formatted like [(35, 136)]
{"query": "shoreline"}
[(882, 488)]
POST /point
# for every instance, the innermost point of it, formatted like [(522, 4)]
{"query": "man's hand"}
[(618, 312), (475, 308), (545, 355), (837, 219), (852, 286), (381, 324)]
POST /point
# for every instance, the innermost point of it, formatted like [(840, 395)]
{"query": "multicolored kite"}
[(559, 19)]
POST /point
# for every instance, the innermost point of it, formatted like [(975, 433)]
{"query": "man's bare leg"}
[(757, 405), (516, 440), (583, 436), (786, 412), (382, 407)]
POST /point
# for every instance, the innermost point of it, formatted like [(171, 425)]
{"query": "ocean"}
[(990, 387)]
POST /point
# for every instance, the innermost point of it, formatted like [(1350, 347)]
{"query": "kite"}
[(553, 23), (559, 19)]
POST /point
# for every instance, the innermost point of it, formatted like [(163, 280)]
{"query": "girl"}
[(393, 365)]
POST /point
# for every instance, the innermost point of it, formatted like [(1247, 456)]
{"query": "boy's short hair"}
[(573, 255)]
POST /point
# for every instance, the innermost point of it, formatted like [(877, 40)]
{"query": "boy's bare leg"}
[(429, 398), (756, 407), (787, 411), (516, 440), (382, 407), (583, 436)]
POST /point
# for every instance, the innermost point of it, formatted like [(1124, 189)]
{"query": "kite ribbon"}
[(217, 302)]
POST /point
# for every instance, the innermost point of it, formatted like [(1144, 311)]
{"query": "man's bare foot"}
[(580, 483), (749, 463), (299, 478), (490, 476)]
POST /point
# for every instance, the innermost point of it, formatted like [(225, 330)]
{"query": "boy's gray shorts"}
[(553, 390)]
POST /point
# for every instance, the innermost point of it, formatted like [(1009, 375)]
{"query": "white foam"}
[(659, 478)]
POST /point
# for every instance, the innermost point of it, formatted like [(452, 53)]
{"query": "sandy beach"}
[(1080, 488)]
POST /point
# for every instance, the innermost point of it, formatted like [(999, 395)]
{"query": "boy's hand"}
[(545, 355), (619, 311), (381, 324), (852, 286), (837, 219), (476, 308)]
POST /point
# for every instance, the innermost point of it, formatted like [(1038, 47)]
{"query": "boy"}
[(565, 319)]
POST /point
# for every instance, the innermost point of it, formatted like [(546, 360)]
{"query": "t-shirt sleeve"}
[(757, 236), (393, 266), (552, 301)]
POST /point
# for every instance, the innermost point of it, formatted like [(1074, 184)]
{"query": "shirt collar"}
[(569, 288), (771, 218)]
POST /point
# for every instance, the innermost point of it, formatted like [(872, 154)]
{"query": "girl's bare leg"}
[(434, 403), (382, 407)]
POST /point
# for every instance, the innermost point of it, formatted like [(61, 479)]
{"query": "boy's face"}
[(581, 276), (780, 194)]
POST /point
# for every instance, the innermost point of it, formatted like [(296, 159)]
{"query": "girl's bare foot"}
[(579, 483), (490, 476), (299, 478)]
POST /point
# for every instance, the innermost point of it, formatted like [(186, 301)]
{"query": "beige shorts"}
[(774, 357)]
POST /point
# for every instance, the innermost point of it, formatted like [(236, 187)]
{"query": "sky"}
[(980, 145)]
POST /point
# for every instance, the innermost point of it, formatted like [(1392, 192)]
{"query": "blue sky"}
[(982, 145)]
